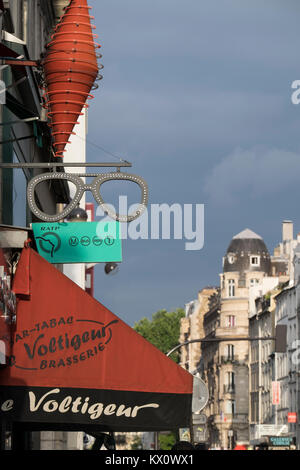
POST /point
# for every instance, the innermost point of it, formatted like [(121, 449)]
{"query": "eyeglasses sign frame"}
[(82, 187)]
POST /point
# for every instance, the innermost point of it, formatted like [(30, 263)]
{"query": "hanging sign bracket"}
[(81, 187)]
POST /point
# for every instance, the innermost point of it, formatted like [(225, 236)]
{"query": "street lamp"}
[(111, 268), (77, 215)]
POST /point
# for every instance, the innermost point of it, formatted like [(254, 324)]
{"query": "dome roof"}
[(247, 252)]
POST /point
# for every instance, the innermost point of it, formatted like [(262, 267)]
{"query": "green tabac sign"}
[(78, 242)]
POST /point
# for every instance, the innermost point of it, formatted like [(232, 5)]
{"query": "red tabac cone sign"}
[(77, 365), (70, 69)]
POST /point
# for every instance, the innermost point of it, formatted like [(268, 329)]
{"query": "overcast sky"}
[(197, 95)]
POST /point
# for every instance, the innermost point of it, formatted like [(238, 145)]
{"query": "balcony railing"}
[(234, 359), (228, 359), (229, 388), (236, 418)]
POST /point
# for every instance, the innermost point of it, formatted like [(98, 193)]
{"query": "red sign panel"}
[(76, 364), (275, 393), (292, 417)]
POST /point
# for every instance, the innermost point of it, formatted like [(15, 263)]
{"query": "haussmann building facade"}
[(224, 365)]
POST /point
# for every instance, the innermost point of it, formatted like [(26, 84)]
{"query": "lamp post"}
[(77, 215)]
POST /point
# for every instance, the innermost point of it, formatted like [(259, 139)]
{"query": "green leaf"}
[(163, 330)]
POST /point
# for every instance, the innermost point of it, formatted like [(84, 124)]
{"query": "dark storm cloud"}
[(185, 85)]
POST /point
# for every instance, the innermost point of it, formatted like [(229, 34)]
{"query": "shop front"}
[(74, 365)]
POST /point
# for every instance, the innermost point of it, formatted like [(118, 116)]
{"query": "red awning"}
[(77, 364)]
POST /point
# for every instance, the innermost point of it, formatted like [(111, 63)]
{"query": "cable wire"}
[(117, 157), (103, 149)]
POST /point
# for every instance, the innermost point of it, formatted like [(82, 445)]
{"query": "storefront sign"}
[(185, 434), (78, 242), (61, 342), (75, 364), (280, 441), (275, 393), (199, 418), (292, 417), (200, 433)]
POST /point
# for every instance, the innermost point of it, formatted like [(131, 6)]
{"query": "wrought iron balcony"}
[(229, 359), (229, 388)]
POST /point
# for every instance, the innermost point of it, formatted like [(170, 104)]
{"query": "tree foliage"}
[(166, 441), (162, 330), (137, 443)]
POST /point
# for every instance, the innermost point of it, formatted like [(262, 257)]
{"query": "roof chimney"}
[(287, 230)]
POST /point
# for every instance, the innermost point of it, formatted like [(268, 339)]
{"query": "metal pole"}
[(19, 122), (156, 440), (66, 164), (191, 430), (215, 340)]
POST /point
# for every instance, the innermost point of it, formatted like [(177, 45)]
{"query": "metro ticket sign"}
[(78, 242)]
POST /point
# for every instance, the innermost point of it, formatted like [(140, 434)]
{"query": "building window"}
[(230, 321), (254, 260), (231, 259), (230, 407), (230, 352), (254, 282), (230, 386), (231, 288)]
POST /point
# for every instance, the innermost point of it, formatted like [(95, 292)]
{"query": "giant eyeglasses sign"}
[(81, 188), (94, 187), (78, 242)]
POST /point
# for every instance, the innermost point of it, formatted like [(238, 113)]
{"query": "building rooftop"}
[(247, 233), (247, 252)]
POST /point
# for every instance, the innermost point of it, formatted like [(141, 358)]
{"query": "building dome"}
[(247, 252)]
